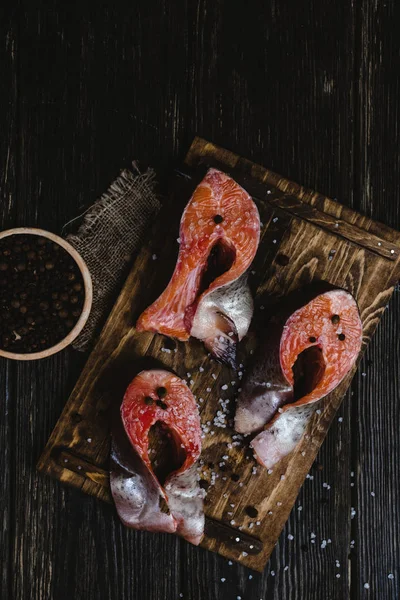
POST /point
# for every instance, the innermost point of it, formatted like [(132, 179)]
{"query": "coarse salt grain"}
[(366, 586), (290, 537), (154, 257)]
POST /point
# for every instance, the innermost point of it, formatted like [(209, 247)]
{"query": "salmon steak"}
[(303, 359), (208, 296), (143, 500)]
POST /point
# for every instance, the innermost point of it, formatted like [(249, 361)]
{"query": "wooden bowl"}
[(87, 305)]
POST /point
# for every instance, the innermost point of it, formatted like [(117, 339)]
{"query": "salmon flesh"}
[(142, 501), (208, 296), (303, 359)]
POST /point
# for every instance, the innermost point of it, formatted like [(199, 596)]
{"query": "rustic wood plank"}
[(67, 159), (309, 140), (8, 145), (129, 91), (84, 433), (376, 525)]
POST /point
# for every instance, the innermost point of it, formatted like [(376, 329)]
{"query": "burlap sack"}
[(109, 235)]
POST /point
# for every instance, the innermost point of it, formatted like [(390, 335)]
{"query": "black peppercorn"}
[(37, 276), (162, 404)]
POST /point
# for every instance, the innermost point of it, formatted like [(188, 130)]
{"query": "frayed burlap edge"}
[(112, 230)]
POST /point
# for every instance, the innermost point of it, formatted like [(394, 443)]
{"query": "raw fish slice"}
[(220, 332), (186, 503), (265, 388), (137, 494), (282, 435), (330, 326), (158, 396), (219, 236)]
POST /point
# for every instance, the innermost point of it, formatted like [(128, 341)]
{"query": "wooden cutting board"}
[(306, 237)]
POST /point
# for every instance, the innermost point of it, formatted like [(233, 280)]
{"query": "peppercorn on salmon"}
[(208, 296), (142, 501), (328, 330)]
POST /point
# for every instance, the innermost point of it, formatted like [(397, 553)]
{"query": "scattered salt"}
[(290, 537), (366, 586), (154, 257), (340, 419)]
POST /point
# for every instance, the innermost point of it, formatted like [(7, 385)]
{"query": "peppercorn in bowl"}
[(45, 293)]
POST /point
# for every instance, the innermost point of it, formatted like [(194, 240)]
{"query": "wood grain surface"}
[(320, 245), (308, 88)]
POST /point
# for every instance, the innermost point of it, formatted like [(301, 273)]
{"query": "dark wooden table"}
[(307, 88)]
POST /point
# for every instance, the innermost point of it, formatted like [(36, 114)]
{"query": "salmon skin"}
[(208, 296), (281, 388), (142, 502)]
